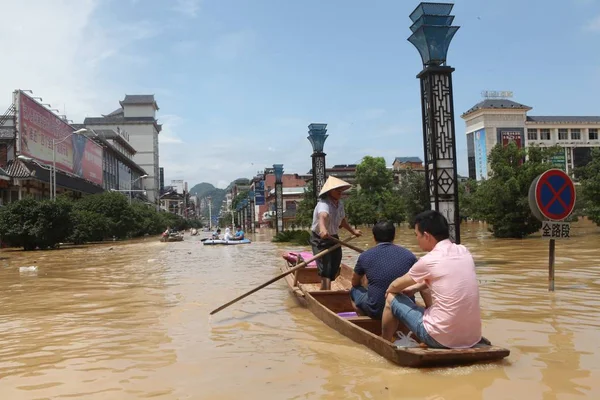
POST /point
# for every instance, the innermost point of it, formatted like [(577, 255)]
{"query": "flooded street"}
[(131, 321)]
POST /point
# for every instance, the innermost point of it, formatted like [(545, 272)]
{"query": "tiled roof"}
[(120, 120), (139, 99), (501, 104), (117, 112), (408, 159), (564, 119), (17, 169)]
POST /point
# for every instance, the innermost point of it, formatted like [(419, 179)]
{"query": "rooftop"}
[(138, 99), (408, 160), (496, 104), (121, 120), (545, 119)]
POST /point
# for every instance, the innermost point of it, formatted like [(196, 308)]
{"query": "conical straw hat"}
[(334, 183)]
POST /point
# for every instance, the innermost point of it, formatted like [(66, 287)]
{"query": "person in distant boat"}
[(381, 264), (228, 235), (328, 217), (216, 234), (454, 318), (239, 234)]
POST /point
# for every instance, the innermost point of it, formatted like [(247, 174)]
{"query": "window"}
[(593, 134), (531, 134), (575, 134), (563, 134), (544, 134)]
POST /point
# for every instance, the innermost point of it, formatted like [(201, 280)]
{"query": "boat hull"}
[(327, 305)]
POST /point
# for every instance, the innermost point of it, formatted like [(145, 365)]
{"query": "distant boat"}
[(173, 237), (208, 242)]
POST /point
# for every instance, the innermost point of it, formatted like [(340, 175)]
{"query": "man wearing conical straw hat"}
[(328, 217)]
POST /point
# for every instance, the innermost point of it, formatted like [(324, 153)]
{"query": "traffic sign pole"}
[(551, 260), (552, 197)]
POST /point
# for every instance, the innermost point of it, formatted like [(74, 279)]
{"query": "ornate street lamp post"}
[(432, 33), (244, 214), (317, 133), (251, 200), (278, 168)]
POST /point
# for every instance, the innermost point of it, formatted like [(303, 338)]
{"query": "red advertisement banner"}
[(75, 154)]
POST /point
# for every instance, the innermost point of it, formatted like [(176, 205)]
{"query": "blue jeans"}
[(411, 315)]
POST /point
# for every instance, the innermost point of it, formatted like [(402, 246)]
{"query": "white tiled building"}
[(137, 117), (494, 121)]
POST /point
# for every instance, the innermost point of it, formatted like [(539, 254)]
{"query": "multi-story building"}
[(32, 140), (137, 118), (494, 121), (120, 172)]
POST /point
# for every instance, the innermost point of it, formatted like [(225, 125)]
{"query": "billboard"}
[(162, 178), (480, 154), (507, 135), (37, 128), (259, 193)]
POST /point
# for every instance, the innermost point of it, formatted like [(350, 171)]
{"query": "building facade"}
[(494, 121), (137, 118)]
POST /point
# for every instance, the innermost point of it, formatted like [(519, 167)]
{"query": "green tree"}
[(375, 199), (503, 199), (414, 194), (32, 224), (305, 208), (466, 194), (589, 177), (115, 207)]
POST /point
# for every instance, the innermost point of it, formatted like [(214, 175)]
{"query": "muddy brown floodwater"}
[(131, 321)]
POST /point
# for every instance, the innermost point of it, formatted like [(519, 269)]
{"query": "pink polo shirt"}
[(454, 319)]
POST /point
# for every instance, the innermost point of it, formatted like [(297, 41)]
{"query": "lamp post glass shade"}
[(278, 170), (431, 9), (432, 31), (317, 134)]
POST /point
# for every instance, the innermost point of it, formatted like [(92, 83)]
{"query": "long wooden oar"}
[(358, 249), (296, 268)]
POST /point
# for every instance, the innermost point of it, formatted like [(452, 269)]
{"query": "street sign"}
[(552, 196), (556, 230)]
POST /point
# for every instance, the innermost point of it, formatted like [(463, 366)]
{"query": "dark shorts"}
[(328, 266)]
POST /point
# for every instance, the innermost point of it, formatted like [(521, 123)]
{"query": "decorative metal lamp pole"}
[(278, 168), (317, 133), (251, 201), (432, 33)]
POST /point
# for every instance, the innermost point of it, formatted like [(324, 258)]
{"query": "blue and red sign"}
[(555, 194)]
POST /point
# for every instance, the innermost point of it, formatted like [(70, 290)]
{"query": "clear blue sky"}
[(238, 81)]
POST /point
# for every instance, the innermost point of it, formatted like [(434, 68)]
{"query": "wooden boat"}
[(173, 237), (334, 308)]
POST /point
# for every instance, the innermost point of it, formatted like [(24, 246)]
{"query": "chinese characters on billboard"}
[(38, 126)]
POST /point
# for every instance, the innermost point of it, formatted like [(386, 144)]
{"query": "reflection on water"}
[(130, 320)]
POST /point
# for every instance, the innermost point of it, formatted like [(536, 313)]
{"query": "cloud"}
[(233, 45), (170, 123), (62, 51), (188, 8), (593, 25)]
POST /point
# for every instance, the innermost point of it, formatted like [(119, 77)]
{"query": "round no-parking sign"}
[(552, 196)]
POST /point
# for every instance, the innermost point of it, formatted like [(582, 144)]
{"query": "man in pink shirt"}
[(453, 320)]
